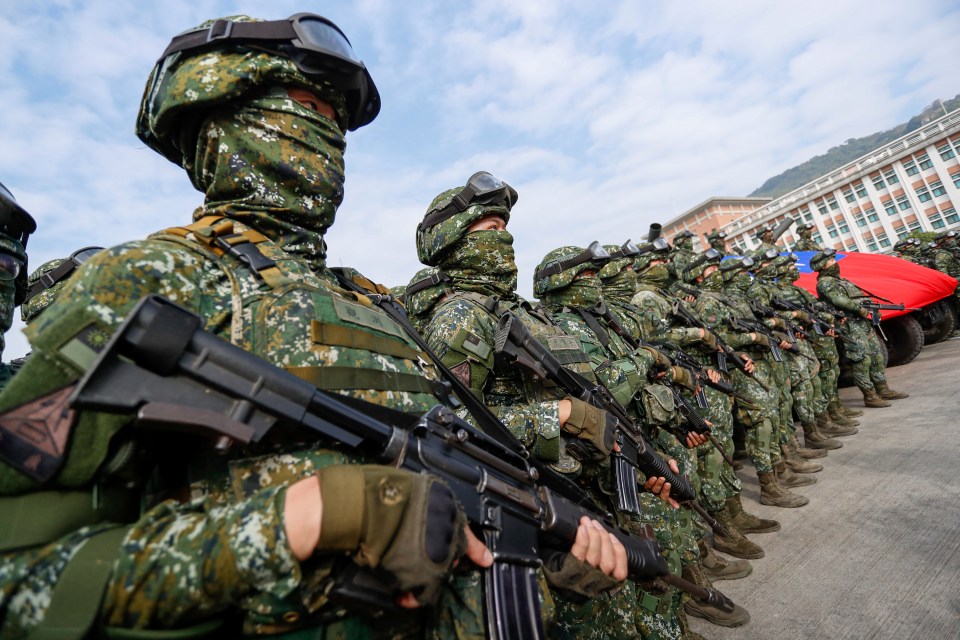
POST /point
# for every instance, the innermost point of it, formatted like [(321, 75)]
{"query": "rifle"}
[(162, 367), (726, 353), (875, 307), (748, 326), (820, 326), (515, 344)]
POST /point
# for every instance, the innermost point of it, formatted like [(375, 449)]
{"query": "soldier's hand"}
[(695, 439), (713, 375), (594, 426), (409, 525), (596, 563), (659, 486), (748, 363), (786, 344)]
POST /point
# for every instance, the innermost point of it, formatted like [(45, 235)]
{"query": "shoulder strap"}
[(598, 330)]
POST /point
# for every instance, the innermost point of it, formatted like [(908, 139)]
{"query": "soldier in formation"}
[(805, 241)]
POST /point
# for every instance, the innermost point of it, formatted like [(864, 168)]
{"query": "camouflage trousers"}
[(757, 420), (784, 383), (826, 350), (689, 526), (718, 480)]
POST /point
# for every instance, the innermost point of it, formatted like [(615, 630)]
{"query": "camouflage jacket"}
[(806, 244), (658, 321)]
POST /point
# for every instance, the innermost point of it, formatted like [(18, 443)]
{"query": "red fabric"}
[(896, 279)]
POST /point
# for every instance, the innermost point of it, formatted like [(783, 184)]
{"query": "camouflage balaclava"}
[(259, 156), (819, 264), (712, 281), (12, 265), (736, 276), (618, 278), (577, 286)]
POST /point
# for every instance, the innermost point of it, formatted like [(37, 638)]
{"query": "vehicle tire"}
[(942, 330), (904, 339)]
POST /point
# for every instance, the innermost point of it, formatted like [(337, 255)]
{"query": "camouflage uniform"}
[(804, 241), (17, 226), (682, 254), (577, 308), (221, 546)]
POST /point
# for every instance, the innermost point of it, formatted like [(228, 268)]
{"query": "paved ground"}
[(876, 553)]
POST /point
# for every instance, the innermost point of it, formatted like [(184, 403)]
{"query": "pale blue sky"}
[(605, 116)]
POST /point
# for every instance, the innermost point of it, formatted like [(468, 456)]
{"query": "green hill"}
[(850, 150)]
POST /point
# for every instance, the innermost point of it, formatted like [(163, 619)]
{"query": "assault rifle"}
[(875, 307), (163, 368), (820, 326), (726, 353), (516, 345)]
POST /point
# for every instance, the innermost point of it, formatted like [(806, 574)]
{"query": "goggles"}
[(736, 264), (316, 45), (769, 254), (710, 255), (10, 267), (63, 271), (14, 220), (626, 250), (594, 254), (482, 188)]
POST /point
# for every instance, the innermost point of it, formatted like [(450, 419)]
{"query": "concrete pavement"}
[(876, 553)]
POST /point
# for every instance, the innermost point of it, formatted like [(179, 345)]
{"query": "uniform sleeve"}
[(833, 292)]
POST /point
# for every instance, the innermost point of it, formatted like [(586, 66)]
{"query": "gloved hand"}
[(594, 426), (660, 359), (682, 376), (407, 524), (710, 340), (759, 338), (597, 562)]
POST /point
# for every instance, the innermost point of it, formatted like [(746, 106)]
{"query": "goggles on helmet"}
[(63, 271), (315, 44), (14, 220), (594, 254), (482, 188), (686, 233), (710, 255), (10, 267), (626, 250)]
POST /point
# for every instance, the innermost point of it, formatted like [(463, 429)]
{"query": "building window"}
[(809, 216), (872, 245), (924, 194), (832, 203), (859, 220), (951, 216), (911, 168), (891, 176), (861, 190), (936, 221), (817, 238), (832, 230), (901, 232), (844, 228), (890, 208), (914, 226), (903, 203), (956, 179), (936, 188), (925, 162), (878, 183), (851, 246), (848, 195), (884, 241), (872, 215), (945, 152), (822, 208)]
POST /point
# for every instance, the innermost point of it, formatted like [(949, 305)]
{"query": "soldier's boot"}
[(796, 463), (839, 417), (737, 465), (874, 401), (850, 412), (747, 522), (805, 453), (816, 440), (788, 478), (719, 568), (688, 634), (832, 430), (736, 544), (887, 393), (739, 616), (771, 493)]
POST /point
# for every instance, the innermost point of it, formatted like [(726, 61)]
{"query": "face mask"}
[(621, 286), (741, 281), (484, 259), (713, 282), (584, 291), (792, 274), (833, 270), (276, 166), (657, 275)]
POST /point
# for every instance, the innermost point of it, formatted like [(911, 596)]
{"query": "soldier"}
[(427, 287), (46, 282), (765, 236), (16, 225), (943, 259), (805, 241), (864, 350), (717, 240), (255, 534), (682, 254)]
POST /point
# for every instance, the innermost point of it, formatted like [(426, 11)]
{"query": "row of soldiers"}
[(115, 526)]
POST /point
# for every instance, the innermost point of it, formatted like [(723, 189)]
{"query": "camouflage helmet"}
[(805, 230), (820, 259), (16, 225), (451, 213), (696, 268), (761, 232), (561, 266), (659, 249), (45, 283), (227, 59), (734, 265), (621, 256)]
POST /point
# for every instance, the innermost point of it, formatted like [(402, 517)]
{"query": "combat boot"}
[(816, 440), (887, 393), (796, 463), (788, 478), (850, 412), (832, 430), (805, 453), (685, 627), (771, 493), (736, 544), (874, 401), (716, 615), (747, 522), (838, 417), (719, 568)]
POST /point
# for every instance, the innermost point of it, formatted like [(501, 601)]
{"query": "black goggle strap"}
[(52, 277), (626, 250), (710, 255), (594, 253), (425, 283)]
